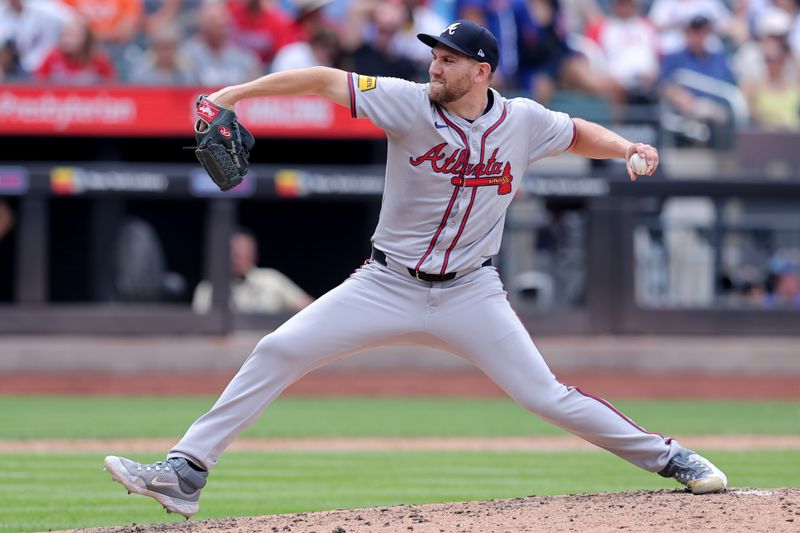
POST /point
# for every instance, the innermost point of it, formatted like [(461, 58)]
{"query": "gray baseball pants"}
[(377, 306)]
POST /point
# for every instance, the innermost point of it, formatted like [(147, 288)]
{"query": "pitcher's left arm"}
[(597, 142)]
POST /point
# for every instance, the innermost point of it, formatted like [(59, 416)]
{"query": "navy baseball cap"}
[(469, 38)]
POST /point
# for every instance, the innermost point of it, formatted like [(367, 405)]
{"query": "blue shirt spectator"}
[(498, 17), (714, 64), (541, 40), (700, 100), (696, 56)]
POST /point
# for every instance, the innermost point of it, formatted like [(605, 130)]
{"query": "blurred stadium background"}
[(111, 234)]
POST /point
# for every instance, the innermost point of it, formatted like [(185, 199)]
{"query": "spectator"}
[(10, 68), (753, 288), (358, 17), (77, 60), (749, 65), (322, 50), (792, 7), (161, 64), (768, 74), (498, 17), (376, 57), (750, 10), (6, 219), (419, 18), (260, 26), (578, 14), (115, 25), (253, 289), (546, 60), (670, 16), (696, 56), (179, 13), (775, 102), (160, 13), (213, 59), (630, 48), (111, 21), (309, 19), (783, 284), (34, 27)]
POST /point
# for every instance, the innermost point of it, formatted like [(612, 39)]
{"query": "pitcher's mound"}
[(749, 510)]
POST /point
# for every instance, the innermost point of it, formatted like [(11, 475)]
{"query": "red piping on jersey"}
[(460, 230), (455, 191), (574, 136), (352, 90), (491, 129), (667, 440), (474, 191)]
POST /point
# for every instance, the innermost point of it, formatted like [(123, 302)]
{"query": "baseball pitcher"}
[(457, 152)]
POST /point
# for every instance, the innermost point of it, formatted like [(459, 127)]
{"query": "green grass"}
[(40, 492), (61, 491), (69, 417)]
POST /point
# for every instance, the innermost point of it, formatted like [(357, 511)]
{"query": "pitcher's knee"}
[(279, 349)]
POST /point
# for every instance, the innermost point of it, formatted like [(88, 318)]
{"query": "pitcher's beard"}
[(446, 93)]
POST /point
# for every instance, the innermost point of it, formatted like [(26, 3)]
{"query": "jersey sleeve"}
[(392, 104), (551, 132)]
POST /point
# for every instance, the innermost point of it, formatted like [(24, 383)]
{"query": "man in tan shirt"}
[(253, 289)]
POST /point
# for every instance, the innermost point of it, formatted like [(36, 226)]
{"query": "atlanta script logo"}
[(487, 174)]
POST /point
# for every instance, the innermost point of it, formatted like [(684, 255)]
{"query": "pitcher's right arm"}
[(327, 82)]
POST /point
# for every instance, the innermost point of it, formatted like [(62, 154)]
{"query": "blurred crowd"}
[(696, 55)]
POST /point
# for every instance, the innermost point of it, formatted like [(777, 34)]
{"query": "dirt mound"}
[(751, 510)]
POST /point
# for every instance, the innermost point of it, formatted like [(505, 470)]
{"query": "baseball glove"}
[(223, 145)]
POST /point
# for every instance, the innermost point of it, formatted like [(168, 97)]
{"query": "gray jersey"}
[(449, 181)]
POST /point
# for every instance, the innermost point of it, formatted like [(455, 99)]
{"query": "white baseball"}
[(639, 165)]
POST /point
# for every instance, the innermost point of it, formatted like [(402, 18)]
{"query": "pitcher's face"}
[(452, 74)]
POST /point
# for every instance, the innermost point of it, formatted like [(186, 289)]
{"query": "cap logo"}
[(451, 29), (480, 52)]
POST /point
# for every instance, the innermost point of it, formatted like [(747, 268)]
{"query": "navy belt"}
[(380, 257)]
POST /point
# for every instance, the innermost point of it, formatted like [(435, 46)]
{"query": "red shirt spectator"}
[(76, 61), (60, 68), (260, 26), (309, 20)]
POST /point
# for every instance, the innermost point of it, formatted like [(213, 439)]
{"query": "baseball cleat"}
[(173, 483), (696, 472)]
